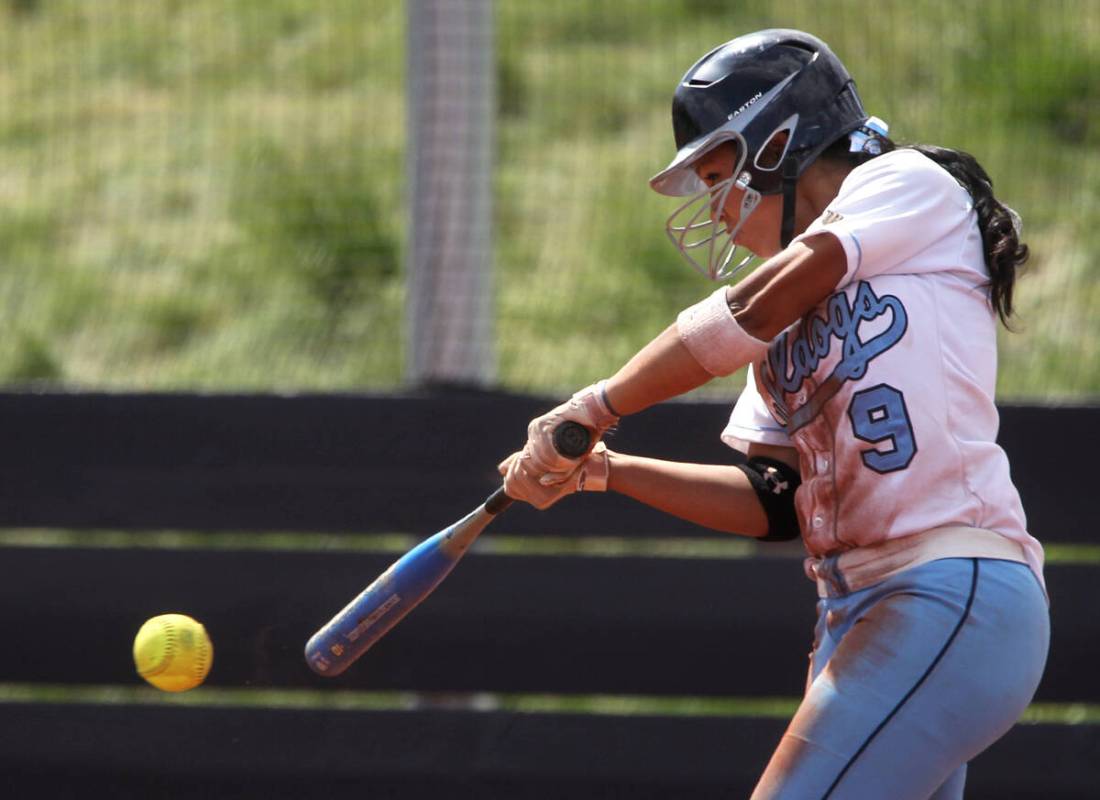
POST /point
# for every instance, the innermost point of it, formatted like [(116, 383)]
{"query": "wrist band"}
[(602, 386), (596, 471), (592, 402), (715, 339)]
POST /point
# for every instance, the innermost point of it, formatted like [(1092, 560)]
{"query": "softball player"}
[(868, 419)]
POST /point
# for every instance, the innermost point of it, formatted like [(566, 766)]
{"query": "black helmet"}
[(752, 87), (749, 90)]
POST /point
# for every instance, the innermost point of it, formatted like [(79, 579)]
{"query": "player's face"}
[(760, 233)]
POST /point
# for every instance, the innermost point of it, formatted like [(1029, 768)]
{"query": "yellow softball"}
[(173, 652)]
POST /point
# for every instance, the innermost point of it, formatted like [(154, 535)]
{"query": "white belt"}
[(861, 567)]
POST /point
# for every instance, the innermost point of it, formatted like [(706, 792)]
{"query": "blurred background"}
[(220, 196)]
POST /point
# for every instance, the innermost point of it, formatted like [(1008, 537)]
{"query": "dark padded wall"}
[(410, 463), (556, 624), (500, 623)]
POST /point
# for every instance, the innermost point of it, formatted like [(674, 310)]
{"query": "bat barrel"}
[(378, 608), (414, 576), (392, 595)]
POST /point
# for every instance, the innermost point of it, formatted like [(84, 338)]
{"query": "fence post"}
[(451, 103)]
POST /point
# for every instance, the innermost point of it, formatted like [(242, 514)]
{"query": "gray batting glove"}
[(523, 481)]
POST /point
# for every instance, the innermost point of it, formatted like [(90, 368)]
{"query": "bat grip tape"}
[(497, 502)]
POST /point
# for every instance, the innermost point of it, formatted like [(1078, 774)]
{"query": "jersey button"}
[(818, 520)]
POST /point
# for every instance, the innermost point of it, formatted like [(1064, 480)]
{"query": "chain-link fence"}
[(218, 194)]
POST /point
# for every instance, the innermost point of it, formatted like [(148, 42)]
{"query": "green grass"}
[(209, 195), (202, 195), (359, 701), (718, 546), (498, 543)]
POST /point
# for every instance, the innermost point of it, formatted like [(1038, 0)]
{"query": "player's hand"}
[(523, 480), (590, 408)]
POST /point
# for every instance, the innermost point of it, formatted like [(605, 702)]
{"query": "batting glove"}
[(590, 408), (523, 481)]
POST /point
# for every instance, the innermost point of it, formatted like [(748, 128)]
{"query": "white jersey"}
[(886, 388)]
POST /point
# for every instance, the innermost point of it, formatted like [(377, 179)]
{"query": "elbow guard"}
[(775, 484)]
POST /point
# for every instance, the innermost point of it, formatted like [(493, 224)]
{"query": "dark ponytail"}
[(1004, 252)]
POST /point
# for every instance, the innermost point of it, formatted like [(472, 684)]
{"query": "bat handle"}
[(571, 439), (497, 502)]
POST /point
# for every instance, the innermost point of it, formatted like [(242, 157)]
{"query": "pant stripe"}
[(917, 685)]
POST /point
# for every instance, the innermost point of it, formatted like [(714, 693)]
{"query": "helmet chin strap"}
[(790, 179)]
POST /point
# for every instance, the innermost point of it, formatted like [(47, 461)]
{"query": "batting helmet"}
[(749, 90)]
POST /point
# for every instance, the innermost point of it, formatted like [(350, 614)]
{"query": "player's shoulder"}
[(903, 170)]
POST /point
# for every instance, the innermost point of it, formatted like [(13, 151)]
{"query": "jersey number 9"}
[(879, 415)]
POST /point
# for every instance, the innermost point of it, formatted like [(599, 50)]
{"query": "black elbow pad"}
[(775, 484)]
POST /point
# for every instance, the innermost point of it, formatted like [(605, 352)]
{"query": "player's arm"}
[(755, 500), (715, 337), (779, 292)]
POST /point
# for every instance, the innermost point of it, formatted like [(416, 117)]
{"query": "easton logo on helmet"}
[(746, 104)]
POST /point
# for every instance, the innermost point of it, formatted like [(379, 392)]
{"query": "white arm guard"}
[(712, 335)]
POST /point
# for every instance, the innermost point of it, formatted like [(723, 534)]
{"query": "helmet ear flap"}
[(774, 150)]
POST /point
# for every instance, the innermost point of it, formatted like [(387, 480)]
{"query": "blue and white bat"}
[(414, 576)]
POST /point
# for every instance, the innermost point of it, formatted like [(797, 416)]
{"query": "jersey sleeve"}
[(751, 422), (889, 210)]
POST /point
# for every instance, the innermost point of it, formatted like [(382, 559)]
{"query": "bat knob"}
[(572, 439)]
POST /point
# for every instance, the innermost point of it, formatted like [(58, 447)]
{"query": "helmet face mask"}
[(751, 89), (696, 227)]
